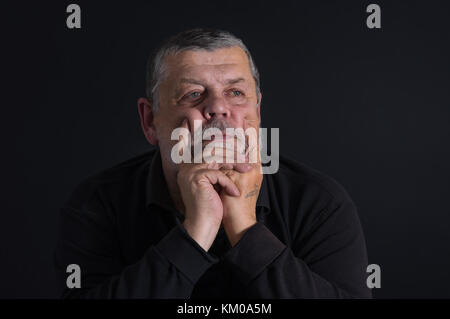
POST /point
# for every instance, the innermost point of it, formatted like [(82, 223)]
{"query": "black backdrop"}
[(369, 107)]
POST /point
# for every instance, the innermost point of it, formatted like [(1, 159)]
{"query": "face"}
[(210, 86)]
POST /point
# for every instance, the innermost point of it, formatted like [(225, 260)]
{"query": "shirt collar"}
[(157, 191)]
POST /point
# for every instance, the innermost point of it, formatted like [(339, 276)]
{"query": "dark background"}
[(370, 108)]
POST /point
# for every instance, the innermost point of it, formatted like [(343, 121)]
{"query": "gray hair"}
[(194, 39)]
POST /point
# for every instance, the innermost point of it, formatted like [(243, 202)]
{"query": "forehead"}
[(198, 62)]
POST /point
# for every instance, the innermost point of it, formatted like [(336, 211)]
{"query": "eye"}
[(191, 98), (236, 93), (194, 95)]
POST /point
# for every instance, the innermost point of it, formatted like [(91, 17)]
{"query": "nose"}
[(216, 107)]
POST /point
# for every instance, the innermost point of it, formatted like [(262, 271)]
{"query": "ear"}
[(147, 117)]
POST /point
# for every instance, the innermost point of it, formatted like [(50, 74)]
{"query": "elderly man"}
[(154, 228)]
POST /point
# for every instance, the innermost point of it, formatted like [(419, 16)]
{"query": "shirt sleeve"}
[(168, 269), (327, 261)]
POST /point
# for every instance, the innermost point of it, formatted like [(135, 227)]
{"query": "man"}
[(154, 228)]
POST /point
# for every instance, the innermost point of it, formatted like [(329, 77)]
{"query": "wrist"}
[(236, 229), (203, 234)]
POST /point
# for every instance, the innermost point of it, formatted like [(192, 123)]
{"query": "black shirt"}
[(120, 226)]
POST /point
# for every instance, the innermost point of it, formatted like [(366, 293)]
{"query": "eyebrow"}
[(194, 81), (234, 81), (190, 80)]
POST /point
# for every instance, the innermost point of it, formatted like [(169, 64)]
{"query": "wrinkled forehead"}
[(219, 64)]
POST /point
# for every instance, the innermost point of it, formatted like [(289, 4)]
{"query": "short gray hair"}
[(194, 39)]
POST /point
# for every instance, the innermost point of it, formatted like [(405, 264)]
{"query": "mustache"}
[(219, 124), (216, 123), (222, 125)]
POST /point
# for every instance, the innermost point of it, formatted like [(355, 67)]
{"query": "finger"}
[(218, 177), (229, 151), (242, 167), (212, 165), (226, 166), (226, 158), (221, 159), (239, 167)]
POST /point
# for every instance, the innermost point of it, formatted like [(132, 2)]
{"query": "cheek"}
[(172, 118), (177, 116), (193, 114), (252, 112), (246, 117), (166, 123)]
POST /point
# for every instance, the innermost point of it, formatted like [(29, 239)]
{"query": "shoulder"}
[(301, 177), (304, 192), (111, 182)]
